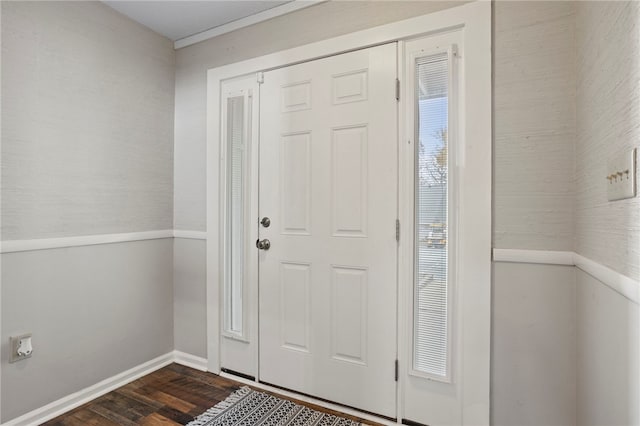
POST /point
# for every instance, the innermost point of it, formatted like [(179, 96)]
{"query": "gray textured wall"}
[(608, 355), (607, 118), (189, 296), (87, 148), (608, 100), (534, 125), (94, 311), (87, 114), (533, 373), (533, 348)]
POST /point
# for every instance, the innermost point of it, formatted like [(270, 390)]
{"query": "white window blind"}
[(235, 139), (431, 282)]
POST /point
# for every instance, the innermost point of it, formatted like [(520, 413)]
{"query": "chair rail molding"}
[(13, 246), (620, 283), (189, 235)]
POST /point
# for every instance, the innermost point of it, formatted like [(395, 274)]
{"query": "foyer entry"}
[(348, 251)]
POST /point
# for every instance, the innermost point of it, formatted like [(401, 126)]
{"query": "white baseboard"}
[(189, 360), (85, 395), (622, 284)]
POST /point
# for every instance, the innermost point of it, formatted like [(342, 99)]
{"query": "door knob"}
[(266, 222), (263, 244)]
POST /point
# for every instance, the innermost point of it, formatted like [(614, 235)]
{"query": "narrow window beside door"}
[(236, 152), (431, 282)]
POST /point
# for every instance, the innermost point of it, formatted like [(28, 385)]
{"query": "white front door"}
[(328, 184)]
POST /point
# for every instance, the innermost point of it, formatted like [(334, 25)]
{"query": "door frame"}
[(475, 19)]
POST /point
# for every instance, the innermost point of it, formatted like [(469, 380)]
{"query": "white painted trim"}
[(190, 235), (274, 12), (12, 246), (85, 395), (626, 286), (189, 360), (546, 257), (320, 403), (620, 283)]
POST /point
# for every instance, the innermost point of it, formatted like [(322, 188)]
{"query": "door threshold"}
[(412, 423), (238, 374), (365, 415)]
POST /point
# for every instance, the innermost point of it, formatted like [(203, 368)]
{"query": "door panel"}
[(328, 182)]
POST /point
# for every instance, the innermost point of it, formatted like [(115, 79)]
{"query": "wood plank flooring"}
[(173, 395)]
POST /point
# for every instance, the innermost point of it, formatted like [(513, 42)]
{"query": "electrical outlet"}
[(621, 176), (20, 347)]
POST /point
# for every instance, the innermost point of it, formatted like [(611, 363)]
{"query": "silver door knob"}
[(266, 222), (263, 244)]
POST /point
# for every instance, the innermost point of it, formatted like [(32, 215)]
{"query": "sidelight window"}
[(236, 150), (431, 330)]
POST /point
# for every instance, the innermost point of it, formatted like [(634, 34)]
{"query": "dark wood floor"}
[(173, 395)]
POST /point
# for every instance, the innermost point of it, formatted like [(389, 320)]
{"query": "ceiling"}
[(179, 19)]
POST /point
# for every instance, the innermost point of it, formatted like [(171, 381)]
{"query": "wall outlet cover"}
[(15, 344)]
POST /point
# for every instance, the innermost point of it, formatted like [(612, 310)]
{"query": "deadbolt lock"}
[(266, 222)]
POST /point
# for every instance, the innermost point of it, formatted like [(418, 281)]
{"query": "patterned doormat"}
[(247, 407)]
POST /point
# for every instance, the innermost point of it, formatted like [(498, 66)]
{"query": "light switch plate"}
[(621, 176)]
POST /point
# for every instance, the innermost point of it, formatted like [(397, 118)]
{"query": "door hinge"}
[(396, 370), (398, 230), (397, 89), (260, 77)]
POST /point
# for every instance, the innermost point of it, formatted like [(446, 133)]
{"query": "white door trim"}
[(475, 18)]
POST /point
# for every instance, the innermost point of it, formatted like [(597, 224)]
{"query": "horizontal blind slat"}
[(431, 281)]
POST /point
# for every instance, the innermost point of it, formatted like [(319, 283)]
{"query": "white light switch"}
[(621, 176)]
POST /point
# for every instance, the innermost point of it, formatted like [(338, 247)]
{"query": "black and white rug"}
[(247, 407)]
